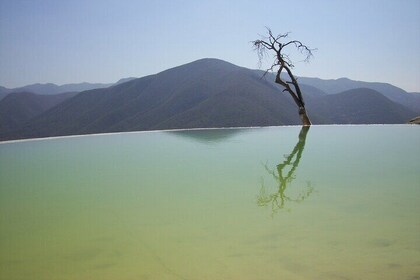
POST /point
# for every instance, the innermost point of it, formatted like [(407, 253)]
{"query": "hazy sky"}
[(105, 40)]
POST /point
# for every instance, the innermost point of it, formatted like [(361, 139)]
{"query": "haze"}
[(103, 41)]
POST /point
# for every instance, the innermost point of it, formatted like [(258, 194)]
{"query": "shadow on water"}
[(208, 136), (283, 174)]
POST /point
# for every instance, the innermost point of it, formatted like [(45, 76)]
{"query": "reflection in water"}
[(283, 177), (208, 136)]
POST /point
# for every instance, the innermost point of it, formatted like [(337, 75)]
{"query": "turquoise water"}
[(331, 202)]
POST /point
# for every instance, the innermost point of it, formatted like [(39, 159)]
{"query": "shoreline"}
[(180, 129)]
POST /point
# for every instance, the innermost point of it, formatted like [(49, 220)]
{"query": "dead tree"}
[(277, 45)]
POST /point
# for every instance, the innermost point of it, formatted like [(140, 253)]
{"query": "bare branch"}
[(275, 45)]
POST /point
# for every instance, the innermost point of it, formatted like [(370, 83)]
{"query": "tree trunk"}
[(304, 117)]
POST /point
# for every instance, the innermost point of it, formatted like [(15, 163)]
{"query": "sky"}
[(102, 41)]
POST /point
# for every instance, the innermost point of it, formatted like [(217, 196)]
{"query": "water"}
[(334, 202)]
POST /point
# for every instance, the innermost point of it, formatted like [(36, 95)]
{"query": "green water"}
[(334, 202)]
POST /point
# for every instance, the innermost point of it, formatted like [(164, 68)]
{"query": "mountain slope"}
[(3, 92), (361, 106), (20, 107), (410, 100)]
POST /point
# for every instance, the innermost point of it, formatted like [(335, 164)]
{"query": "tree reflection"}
[(279, 198)]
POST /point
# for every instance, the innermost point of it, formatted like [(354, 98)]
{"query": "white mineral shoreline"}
[(184, 129)]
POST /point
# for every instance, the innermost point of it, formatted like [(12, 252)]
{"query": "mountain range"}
[(201, 94), (51, 89)]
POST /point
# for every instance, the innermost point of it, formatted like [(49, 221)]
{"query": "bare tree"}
[(277, 45)]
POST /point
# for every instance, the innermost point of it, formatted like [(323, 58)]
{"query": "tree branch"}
[(274, 43)]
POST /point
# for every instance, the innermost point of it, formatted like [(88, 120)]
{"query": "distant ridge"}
[(361, 106), (332, 86), (50, 89)]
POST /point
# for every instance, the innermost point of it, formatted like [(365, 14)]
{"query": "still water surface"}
[(333, 202)]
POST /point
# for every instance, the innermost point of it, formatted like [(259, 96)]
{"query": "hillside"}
[(18, 108), (410, 100), (4, 92), (360, 106)]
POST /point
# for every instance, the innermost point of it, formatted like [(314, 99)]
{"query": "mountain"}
[(18, 108), (50, 89), (205, 93), (360, 106), (202, 94), (410, 100)]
